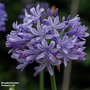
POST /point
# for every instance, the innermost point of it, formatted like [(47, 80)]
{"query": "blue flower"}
[(70, 22), (81, 54), (44, 39), (49, 12), (78, 31), (29, 6), (56, 12), (41, 32), (46, 64), (66, 56), (3, 16), (17, 40), (26, 56), (54, 24), (65, 43), (35, 14), (47, 51)]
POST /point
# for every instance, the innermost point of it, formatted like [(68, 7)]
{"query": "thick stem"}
[(53, 82), (66, 76), (41, 80)]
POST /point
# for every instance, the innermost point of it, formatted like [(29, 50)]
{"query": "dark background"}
[(80, 76)]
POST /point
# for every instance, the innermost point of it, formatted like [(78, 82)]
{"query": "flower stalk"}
[(53, 82), (41, 79)]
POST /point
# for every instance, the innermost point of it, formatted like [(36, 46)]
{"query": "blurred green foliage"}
[(80, 79)]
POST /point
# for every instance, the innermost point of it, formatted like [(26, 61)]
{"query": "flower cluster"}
[(44, 39), (3, 16)]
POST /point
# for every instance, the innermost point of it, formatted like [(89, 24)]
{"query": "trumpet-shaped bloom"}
[(54, 24), (47, 51), (46, 64), (35, 14), (29, 6), (66, 56), (41, 33), (65, 43), (70, 22), (26, 56), (18, 40), (78, 30)]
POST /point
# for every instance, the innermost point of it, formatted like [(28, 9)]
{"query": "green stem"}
[(41, 80), (53, 82)]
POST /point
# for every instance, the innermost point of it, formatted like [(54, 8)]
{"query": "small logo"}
[(6, 84)]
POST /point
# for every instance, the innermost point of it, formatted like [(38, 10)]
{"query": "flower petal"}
[(21, 66), (64, 50), (49, 69), (51, 57), (40, 61), (40, 68), (39, 46), (57, 62), (54, 50), (30, 57), (38, 26), (50, 20), (44, 43), (59, 55), (36, 73), (41, 10), (58, 46), (41, 55), (52, 44), (33, 11), (56, 20), (37, 9), (60, 26), (65, 62), (49, 36), (35, 32), (72, 56)]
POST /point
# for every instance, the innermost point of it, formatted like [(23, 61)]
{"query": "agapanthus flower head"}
[(44, 39), (3, 17)]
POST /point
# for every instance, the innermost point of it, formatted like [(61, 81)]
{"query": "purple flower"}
[(41, 32), (3, 16), (35, 14), (66, 56), (56, 12), (20, 56), (48, 13), (70, 22), (42, 38), (18, 40), (46, 64), (14, 41), (54, 24), (65, 43), (22, 27), (20, 37), (47, 51), (29, 6), (78, 31), (25, 57), (81, 54)]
